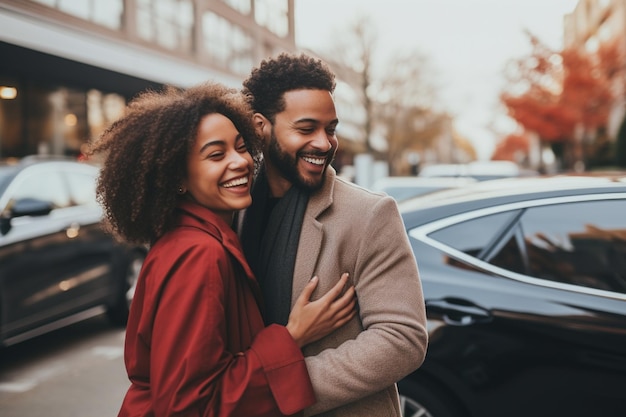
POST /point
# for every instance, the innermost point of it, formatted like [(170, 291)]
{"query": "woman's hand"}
[(311, 320)]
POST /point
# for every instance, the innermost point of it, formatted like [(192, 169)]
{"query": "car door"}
[(529, 305), (94, 250), (42, 277), (577, 250)]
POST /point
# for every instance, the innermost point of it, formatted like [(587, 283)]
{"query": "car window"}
[(48, 187), (82, 188), (581, 243), (474, 236), (511, 254)]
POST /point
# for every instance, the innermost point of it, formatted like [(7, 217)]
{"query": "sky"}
[(467, 42)]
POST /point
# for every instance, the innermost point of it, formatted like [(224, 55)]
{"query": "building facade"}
[(593, 22), (68, 68)]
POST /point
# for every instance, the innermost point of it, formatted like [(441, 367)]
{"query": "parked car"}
[(524, 281), (57, 264), (479, 170), (403, 188)]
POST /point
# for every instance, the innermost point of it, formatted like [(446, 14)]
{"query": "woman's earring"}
[(181, 190)]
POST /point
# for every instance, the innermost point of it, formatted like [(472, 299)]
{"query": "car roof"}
[(21, 163), (508, 190), (474, 168), (10, 168), (383, 182)]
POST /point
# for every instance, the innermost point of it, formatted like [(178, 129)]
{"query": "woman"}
[(176, 168)]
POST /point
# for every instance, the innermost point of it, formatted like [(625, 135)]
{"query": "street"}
[(74, 372)]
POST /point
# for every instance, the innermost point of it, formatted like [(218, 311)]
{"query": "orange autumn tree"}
[(514, 147), (563, 97)]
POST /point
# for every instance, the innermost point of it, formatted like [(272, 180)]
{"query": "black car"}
[(524, 281), (57, 264)]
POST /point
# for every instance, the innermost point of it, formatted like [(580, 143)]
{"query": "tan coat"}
[(353, 370)]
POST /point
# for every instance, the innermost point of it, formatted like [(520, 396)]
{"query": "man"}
[(305, 221)]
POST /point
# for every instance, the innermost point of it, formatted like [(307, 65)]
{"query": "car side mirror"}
[(23, 207)]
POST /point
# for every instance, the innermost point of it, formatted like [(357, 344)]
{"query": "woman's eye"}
[(216, 155)]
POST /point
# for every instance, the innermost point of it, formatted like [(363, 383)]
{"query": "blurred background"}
[(536, 83), (523, 278)]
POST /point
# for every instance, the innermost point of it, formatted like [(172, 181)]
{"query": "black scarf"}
[(270, 242)]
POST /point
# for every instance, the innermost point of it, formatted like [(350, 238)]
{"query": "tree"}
[(532, 95), (406, 99), (514, 147), (586, 93), (353, 52), (563, 96), (397, 94)]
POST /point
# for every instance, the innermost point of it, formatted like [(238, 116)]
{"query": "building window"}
[(102, 110), (242, 6), (228, 45), (273, 14), (50, 119), (168, 23), (103, 12), (11, 116)]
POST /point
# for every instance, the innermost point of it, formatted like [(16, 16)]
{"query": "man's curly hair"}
[(145, 155), (267, 84)]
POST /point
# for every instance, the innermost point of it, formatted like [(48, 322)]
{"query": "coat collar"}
[(312, 234), (321, 199), (195, 215)]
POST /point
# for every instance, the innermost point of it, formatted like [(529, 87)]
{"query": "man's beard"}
[(288, 166)]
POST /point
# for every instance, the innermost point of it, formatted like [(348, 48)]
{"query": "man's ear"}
[(261, 124)]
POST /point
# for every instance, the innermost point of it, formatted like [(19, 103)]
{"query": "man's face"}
[(302, 140)]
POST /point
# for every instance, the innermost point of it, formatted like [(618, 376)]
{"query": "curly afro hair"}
[(145, 155), (267, 84)]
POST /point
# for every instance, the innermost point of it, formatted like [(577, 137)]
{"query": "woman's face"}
[(219, 167)]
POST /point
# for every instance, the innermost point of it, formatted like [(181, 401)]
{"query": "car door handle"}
[(457, 312)]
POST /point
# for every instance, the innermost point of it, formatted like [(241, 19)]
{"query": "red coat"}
[(196, 344)]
